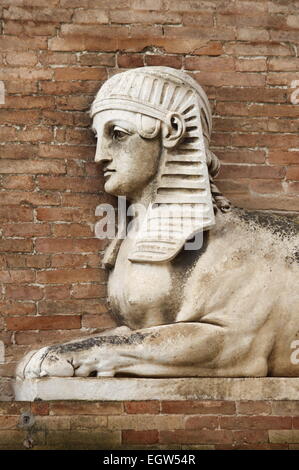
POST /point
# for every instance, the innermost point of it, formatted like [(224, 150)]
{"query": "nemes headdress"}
[(183, 202)]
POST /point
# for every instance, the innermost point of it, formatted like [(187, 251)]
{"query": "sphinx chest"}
[(141, 293)]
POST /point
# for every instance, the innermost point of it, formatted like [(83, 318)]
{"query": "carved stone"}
[(228, 308)]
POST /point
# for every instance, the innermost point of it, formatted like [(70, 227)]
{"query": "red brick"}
[(75, 103), (142, 407), (252, 437), (72, 230), (66, 151), (69, 88), (86, 185), (66, 276), (17, 275), (58, 214), (23, 73), (30, 102), (283, 64), (57, 118), (18, 182), (16, 245), (293, 173), (241, 155), (30, 198), (17, 308), (257, 49), (21, 58), (130, 60), (185, 46), (206, 436), (57, 322), (150, 17), (102, 321), (14, 261), (251, 65), (38, 14), (57, 292), (10, 213), (252, 34), (85, 200), (13, 43), (266, 186), (196, 18), (40, 409), (140, 437), (14, 86), (90, 32), (29, 28), (251, 171), (250, 94), (8, 422), (283, 158), (198, 407), (90, 16), (230, 79), (89, 291), (216, 64), (65, 245), (63, 307), (272, 202), (35, 339), (255, 422), (199, 32), (282, 78), (13, 408), (62, 260), (97, 59), (65, 408), (56, 58), (80, 73), (202, 422), (26, 230), (24, 292), (164, 60), (19, 150), (37, 261)]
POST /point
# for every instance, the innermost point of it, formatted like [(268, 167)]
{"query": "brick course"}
[(263, 425)]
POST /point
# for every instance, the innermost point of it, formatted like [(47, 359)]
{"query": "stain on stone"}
[(284, 226), (135, 338)]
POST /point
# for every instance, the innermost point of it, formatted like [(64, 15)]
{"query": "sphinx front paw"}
[(45, 362)]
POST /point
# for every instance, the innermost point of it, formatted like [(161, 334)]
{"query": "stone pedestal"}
[(119, 389)]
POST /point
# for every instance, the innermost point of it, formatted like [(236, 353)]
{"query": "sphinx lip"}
[(108, 172)]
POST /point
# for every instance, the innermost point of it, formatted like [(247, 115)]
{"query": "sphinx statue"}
[(227, 307)]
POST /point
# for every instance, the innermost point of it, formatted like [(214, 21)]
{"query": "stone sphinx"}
[(225, 309)]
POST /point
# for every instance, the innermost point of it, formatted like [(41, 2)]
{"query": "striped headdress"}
[(183, 203)]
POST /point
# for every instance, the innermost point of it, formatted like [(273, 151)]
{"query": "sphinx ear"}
[(173, 130)]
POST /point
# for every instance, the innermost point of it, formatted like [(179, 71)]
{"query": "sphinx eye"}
[(119, 134)]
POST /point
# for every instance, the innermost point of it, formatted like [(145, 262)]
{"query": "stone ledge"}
[(111, 389)]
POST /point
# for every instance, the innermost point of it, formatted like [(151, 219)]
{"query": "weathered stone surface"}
[(107, 389)]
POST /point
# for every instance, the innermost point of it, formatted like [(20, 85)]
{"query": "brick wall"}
[(55, 54), (150, 425)]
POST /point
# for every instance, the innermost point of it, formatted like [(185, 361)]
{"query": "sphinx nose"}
[(102, 152)]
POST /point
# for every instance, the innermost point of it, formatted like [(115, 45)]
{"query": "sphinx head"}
[(153, 126)]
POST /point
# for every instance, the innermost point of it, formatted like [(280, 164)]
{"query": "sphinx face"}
[(129, 161)]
